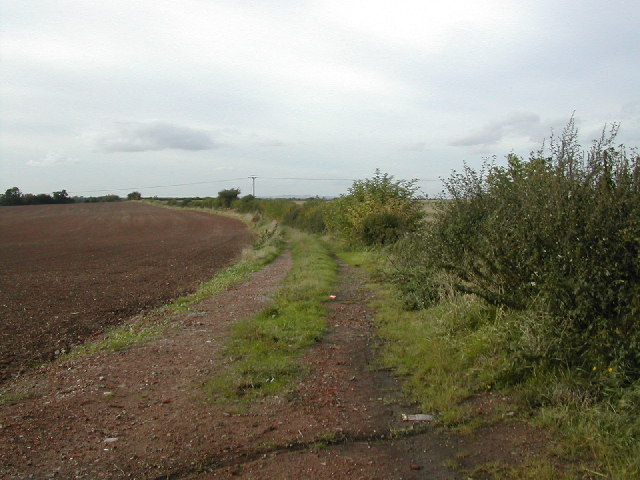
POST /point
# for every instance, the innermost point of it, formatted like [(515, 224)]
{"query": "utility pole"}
[(253, 188)]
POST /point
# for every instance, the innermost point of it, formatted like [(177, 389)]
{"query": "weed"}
[(119, 338), (10, 397)]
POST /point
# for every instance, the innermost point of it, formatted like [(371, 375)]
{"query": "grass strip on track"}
[(264, 349)]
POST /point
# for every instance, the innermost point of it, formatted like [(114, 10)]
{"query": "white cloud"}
[(52, 158), (146, 136)]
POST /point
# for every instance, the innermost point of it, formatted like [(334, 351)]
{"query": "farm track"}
[(141, 413), (71, 271)]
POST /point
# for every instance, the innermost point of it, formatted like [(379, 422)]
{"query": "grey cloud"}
[(516, 123), (141, 136)]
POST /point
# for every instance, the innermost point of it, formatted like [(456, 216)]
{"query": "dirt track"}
[(70, 271), (141, 413)]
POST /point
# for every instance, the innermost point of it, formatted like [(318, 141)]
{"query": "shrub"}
[(247, 204), (381, 228), (227, 197), (395, 203), (559, 234)]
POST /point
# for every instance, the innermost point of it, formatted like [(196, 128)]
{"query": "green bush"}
[(393, 203), (247, 204), (227, 197), (276, 208), (558, 234), (382, 228)]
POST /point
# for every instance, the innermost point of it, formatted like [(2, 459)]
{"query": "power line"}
[(311, 179), (159, 186), (338, 179), (253, 177)]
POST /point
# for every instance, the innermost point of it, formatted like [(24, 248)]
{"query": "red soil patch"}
[(70, 271)]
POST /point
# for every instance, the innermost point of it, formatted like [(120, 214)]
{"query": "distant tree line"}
[(13, 196)]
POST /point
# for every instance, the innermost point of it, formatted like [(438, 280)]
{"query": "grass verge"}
[(264, 349), (438, 352), (463, 348), (269, 244)]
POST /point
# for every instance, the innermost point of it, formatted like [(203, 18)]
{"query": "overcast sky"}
[(112, 96)]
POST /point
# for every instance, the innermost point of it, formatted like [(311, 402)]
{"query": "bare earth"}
[(141, 413), (71, 271)]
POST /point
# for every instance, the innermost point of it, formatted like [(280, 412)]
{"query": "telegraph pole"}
[(253, 188)]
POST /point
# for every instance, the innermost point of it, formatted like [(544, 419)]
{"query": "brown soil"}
[(70, 271), (141, 413)]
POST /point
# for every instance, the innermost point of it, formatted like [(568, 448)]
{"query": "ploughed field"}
[(71, 271)]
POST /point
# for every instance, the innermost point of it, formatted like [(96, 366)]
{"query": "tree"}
[(228, 196), (134, 196), (13, 196), (62, 197)]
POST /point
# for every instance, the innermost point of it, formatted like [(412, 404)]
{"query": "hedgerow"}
[(557, 234)]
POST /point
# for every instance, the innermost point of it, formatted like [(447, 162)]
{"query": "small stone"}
[(415, 467), (111, 440)]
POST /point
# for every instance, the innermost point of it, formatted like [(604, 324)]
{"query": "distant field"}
[(70, 271), (431, 207)]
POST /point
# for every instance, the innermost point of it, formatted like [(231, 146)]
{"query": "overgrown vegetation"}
[(264, 349), (558, 235), (528, 281), (376, 211), (308, 215)]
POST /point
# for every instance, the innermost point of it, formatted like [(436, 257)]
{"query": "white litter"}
[(418, 417)]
